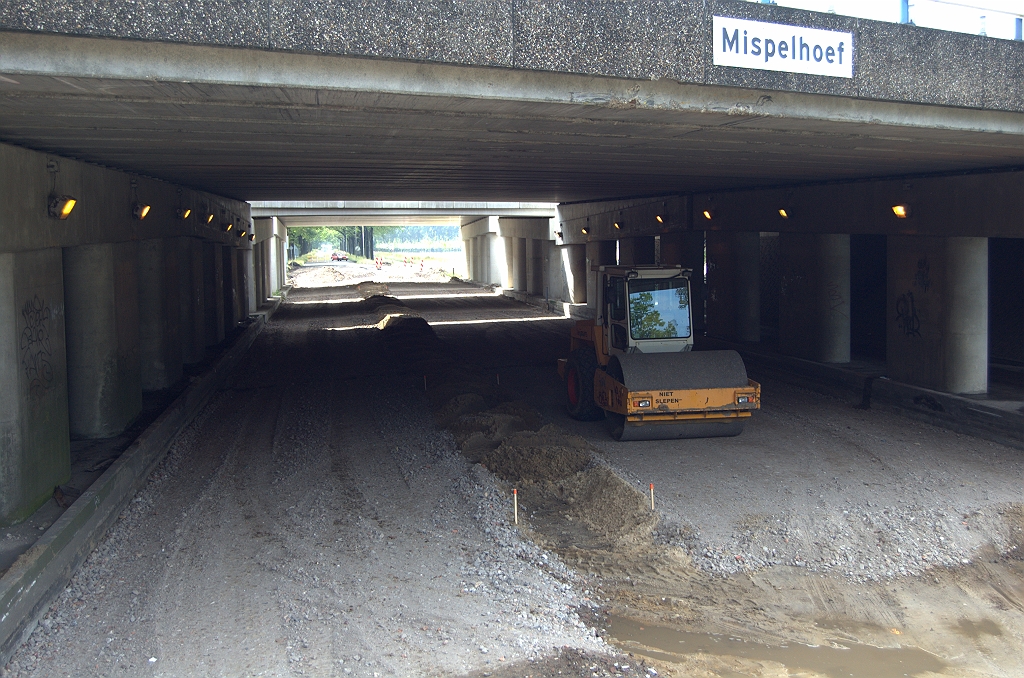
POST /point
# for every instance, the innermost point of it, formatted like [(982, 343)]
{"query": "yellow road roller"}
[(634, 363)]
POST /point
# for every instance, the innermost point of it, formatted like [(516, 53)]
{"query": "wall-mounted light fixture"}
[(139, 209), (182, 212), (617, 226), (209, 218), (658, 217), (901, 211), (709, 214), (784, 213), (585, 230), (252, 237), (227, 226), (241, 233), (60, 206)]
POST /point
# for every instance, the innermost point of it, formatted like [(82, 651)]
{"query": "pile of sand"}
[(480, 432), (550, 454)]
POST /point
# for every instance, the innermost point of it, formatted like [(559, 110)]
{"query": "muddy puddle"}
[(843, 660)]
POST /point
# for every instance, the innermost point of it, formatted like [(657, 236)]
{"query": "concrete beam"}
[(987, 204)]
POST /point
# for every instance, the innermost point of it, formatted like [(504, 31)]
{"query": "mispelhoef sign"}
[(741, 43)]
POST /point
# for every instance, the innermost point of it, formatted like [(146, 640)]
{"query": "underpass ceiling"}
[(299, 142)]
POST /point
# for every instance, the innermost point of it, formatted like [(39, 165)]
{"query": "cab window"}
[(659, 309)]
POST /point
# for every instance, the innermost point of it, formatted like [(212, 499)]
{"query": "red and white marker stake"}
[(652, 496), (515, 504)]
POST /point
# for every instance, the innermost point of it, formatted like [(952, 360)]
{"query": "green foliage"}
[(414, 234), (645, 322)]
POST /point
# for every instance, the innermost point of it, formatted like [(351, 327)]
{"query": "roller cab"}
[(634, 365)]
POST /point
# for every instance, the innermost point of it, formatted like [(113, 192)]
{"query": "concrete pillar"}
[(247, 269), (467, 248), (193, 309), (35, 449), (734, 286), (274, 247), (160, 355), (520, 281), (814, 296), (479, 272), (101, 301), (243, 279), (229, 289), (574, 264), (496, 260), (213, 293), (535, 267), (637, 251), (510, 249), (937, 335)]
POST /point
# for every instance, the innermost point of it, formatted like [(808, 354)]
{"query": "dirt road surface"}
[(343, 507)]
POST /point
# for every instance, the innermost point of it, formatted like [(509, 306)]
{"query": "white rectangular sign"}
[(777, 47)]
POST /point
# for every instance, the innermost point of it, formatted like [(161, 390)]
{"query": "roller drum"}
[(675, 372)]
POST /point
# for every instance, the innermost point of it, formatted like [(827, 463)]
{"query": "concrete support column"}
[(160, 355), (520, 266), (479, 263), (275, 264), (510, 249), (535, 267), (193, 309), (814, 298), (101, 301), (35, 449), (574, 264), (467, 246), (213, 293), (247, 269), (496, 260), (637, 251), (937, 335), (734, 286), (229, 289)]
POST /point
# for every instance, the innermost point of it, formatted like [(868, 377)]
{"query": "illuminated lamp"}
[(585, 230), (139, 210), (184, 213), (709, 214), (901, 211), (252, 237), (227, 226), (209, 217), (658, 217), (617, 227), (784, 214), (60, 206)]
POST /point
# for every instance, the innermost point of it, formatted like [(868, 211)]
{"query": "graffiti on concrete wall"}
[(906, 315), (836, 301), (36, 352), (922, 279)]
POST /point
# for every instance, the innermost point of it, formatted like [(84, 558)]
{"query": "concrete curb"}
[(956, 413), (36, 578)]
